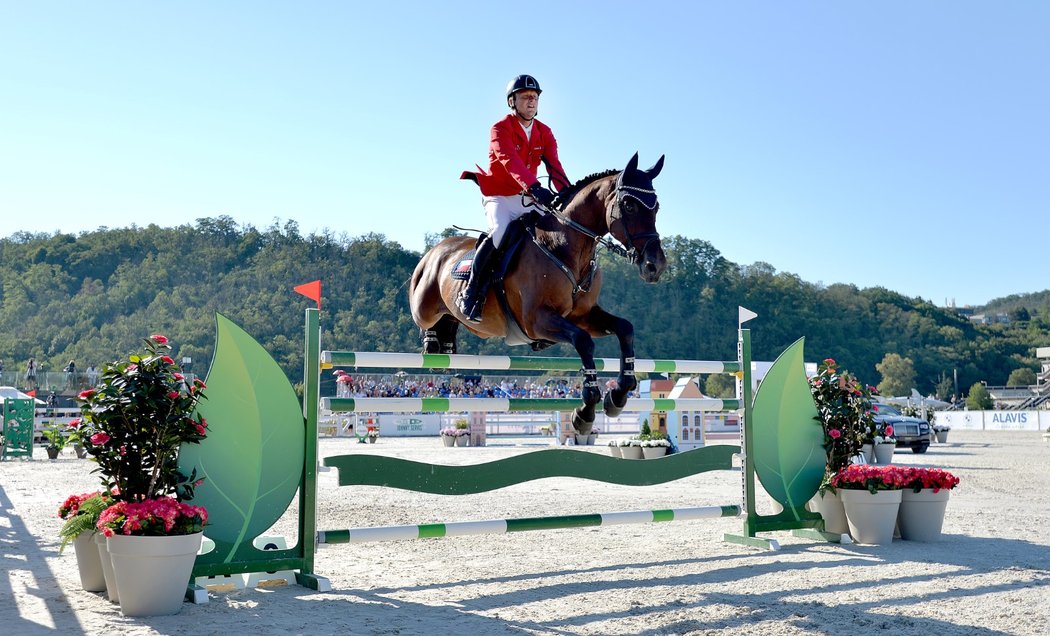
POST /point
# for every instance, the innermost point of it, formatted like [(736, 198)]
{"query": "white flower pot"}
[(448, 440), (871, 517), (92, 578), (462, 440), (868, 453), (884, 453), (152, 572), (829, 506), (942, 437), (615, 451), (631, 452), (652, 452), (921, 514), (107, 568)]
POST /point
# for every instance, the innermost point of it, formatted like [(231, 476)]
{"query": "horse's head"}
[(631, 218)]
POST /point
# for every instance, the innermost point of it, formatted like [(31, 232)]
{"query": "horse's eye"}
[(628, 206)]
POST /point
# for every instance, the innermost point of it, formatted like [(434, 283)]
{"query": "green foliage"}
[(844, 410), (81, 513), (134, 422), (898, 375), (720, 385), (979, 399), (88, 297), (1021, 377), (646, 432), (54, 436)]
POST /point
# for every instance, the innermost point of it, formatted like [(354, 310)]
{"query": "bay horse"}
[(552, 285)]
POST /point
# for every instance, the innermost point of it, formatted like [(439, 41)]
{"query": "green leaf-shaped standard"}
[(788, 441), (252, 459)]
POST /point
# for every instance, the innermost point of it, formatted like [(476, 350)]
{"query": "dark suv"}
[(909, 431)]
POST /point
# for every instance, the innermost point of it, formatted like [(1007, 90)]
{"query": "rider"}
[(519, 142)]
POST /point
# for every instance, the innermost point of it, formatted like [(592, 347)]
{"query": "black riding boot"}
[(472, 298)]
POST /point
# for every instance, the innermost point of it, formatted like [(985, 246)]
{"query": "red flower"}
[(74, 423), (159, 339), (86, 395), (201, 430), (889, 430), (834, 433), (829, 361), (173, 394), (178, 376), (167, 359), (99, 439)]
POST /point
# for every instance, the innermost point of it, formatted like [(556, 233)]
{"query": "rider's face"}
[(526, 103)]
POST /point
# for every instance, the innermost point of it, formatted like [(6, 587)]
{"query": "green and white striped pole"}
[(390, 360), (503, 526), (505, 405)]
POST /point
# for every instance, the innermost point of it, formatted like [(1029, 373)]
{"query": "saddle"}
[(519, 233)]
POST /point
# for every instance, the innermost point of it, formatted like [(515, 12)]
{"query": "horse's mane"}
[(566, 195)]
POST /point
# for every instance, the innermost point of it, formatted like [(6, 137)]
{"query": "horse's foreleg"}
[(602, 322), (560, 329)]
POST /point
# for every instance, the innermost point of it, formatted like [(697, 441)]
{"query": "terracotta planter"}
[(152, 572), (884, 453), (631, 452), (92, 578), (107, 568), (829, 506), (921, 514), (871, 517)]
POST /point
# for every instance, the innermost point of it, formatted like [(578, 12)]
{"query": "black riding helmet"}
[(523, 83)]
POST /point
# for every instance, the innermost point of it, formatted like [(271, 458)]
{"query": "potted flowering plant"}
[(923, 502), (844, 411), (133, 424), (81, 513), (56, 440), (871, 496)]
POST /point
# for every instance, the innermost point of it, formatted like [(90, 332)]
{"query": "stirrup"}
[(471, 313)]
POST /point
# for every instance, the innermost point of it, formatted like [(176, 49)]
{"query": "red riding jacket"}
[(515, 158)]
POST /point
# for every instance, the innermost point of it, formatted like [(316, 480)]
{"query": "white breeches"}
[(500, 211)]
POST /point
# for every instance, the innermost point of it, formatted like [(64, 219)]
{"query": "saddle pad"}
[(461, 268)]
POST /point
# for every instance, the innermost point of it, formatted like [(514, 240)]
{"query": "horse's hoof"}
[(609, 406), (582, 426)]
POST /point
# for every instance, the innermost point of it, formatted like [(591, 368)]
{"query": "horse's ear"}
[(632, 165), (657, 167)]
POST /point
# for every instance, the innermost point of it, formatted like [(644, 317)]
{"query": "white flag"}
[(745, 314)]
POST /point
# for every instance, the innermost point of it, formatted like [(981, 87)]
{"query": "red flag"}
[(32, 393), (311, 291)]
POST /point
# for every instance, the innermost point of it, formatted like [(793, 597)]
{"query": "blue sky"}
[(899, 144)]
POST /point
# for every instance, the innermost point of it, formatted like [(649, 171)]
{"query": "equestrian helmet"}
[(523, 83)]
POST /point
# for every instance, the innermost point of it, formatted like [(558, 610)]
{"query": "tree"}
[(898, 375), (720, 385), (1021, 377), (979, 399), (944, 387), (1020, 315)]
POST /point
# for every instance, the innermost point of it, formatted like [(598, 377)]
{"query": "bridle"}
[(626, 196)]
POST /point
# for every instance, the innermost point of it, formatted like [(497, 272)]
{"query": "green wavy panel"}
[(375, 470), (252, 459), (787, 440)]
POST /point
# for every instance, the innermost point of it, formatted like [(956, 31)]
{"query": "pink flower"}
[(86, 395), (159, 339), (889, 430), (74, 423), (829, 361), (201, 430), (173, 394), (99, 439), (167, 359), (834, 433), (178, 376)]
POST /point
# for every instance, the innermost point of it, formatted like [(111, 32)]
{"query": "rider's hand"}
[(542, 195)]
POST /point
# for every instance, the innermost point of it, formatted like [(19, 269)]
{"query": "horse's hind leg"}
[(446, 329)]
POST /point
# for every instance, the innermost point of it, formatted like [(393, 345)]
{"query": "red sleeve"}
[(502, 147), (553, 163)]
